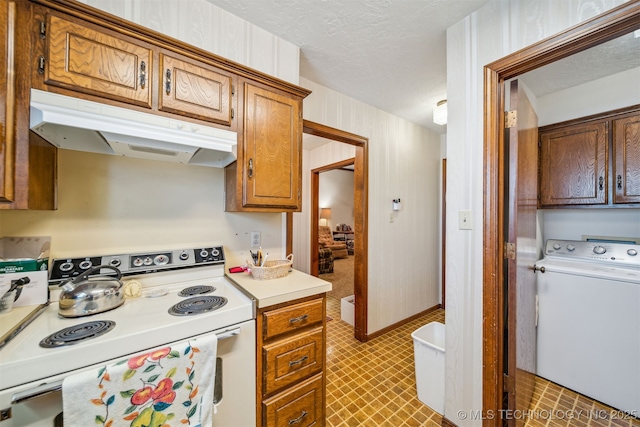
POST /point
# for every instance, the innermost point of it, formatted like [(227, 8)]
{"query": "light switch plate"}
[(464, 220)]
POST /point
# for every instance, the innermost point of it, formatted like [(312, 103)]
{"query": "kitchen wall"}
[(112, 204), (336, 192), (494, 31), (404, 162)]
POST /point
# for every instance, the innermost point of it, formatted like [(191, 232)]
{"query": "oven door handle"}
[(51, 387)]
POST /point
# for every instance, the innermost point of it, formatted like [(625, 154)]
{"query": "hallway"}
[(373, 383)]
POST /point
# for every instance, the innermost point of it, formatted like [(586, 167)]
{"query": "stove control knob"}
[(138, 262), (184, 256), (556, 246), (599, 250), (161, 260), (215, 252), (85, 264), (571, 248), (631, 252), (115, 262), (204, 253), (67, 266), (148, 261)]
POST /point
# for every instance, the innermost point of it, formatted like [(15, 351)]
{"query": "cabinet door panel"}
[(194, 90), (8, 96), (626, 164), (573, 165), (272, 142), (87, 60)]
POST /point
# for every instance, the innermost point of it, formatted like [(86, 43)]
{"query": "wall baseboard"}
[(447, 423), (402, 322)]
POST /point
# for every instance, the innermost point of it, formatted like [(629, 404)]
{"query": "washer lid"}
[(589, 269)]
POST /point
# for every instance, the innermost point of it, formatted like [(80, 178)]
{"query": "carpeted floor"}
[(341, 278)]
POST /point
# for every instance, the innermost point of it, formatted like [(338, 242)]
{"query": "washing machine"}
[(588, 322)]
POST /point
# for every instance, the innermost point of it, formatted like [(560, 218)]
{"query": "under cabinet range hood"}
[(77, 124)]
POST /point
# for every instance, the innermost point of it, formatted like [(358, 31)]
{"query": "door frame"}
[(361, 220), (607, 26)]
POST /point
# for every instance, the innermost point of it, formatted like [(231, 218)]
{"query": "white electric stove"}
[(31, 371)]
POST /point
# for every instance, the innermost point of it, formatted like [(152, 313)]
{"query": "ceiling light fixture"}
[(440, 113)]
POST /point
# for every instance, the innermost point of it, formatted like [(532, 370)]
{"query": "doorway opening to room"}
[(360, 217), (499, 289)]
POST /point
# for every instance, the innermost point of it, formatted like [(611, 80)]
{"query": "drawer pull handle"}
[(297, 420), (299, 361), (299, 318)]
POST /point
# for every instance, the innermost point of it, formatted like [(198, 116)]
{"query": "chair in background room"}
[(325, 261), (325, 240)]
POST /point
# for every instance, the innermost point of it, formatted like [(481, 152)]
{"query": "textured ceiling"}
[(390, 54)]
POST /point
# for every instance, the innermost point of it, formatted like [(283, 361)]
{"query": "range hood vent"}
[(81, 125)]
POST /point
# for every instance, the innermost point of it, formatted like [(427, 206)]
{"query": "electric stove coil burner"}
[(197, 305), (196, 290), (75, 334)]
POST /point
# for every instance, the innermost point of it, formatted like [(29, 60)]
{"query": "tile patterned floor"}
[(373, 383), (555, 406)]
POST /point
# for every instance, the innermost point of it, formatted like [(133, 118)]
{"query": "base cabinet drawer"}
[(300, 406), (291, 360), (294, 317)]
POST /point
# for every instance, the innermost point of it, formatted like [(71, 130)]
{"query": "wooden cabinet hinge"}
[(41, 65), (233, 90), (232, 113), (509, 250), (43, 30), (510, 119)]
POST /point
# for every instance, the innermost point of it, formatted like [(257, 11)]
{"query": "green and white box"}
[(24, 263)]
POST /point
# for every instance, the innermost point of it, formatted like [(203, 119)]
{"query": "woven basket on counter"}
[(271, 269)]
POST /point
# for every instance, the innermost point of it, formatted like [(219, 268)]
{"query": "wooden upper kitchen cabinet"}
[(573, 165), (291, 360), (626, 159), (28, 164), (268, 173), (591, 161), (8, 22), (195, 89), (85, 58)]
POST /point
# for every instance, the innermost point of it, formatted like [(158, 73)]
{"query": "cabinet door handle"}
[(143, 74), (297, 420), (601, 182), (167, 85), (619, 179), (299, 318), (250, 168), (299, 361)]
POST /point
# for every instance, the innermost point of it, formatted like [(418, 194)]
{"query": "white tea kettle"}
[(84, 295)]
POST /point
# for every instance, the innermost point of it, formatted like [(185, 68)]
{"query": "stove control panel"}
[(136, 263), (623, 254)]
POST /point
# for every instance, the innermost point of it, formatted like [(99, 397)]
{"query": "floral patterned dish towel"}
[(165, 387)]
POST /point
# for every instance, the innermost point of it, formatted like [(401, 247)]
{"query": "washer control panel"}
[(136, 263), (618, 253)]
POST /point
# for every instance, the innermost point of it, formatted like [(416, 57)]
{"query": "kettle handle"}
[(87, 273)]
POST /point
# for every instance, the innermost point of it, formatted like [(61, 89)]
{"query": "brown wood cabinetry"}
[(573, 165), (593, 161), (290, 363), (268, 173), (195, 89), (8, 21), (626, 159), (86, 59)]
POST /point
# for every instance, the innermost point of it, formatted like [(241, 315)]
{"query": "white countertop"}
[(275, 291)]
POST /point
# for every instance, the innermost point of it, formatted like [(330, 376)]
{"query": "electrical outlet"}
[(255, 239), (464, 220)]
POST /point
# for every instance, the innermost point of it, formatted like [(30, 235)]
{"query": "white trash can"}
[(428, 351)]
